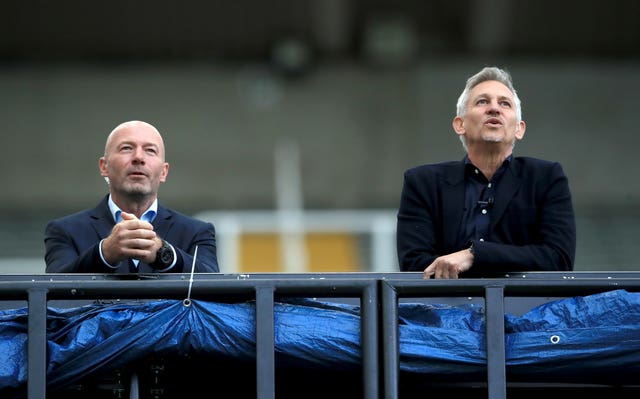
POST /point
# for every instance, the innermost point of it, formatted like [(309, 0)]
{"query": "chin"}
[(138, 191), (491, 139)]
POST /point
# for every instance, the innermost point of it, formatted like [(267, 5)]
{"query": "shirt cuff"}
[(102, 256)]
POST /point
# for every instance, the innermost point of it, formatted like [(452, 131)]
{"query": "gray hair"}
[(486, 74)]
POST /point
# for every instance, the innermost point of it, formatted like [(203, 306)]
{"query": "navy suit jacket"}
[(71, 242), (532, 226)]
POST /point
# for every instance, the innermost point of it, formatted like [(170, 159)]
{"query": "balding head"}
[(140, 127)]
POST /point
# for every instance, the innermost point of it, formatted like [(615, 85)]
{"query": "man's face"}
[(490, 116), (134, 160)]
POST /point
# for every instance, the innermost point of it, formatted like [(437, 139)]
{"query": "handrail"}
[(40, 289), (378, 293)]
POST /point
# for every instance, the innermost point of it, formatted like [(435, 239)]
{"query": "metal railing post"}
[(37, 344), (369, 338), (265, 336), (390, 341), (496, 358)]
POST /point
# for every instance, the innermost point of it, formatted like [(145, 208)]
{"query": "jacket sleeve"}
[(416, 231), (62, 253), (203, 237)]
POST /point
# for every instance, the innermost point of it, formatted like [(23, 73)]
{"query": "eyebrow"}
[(500, 97), (135, 143)]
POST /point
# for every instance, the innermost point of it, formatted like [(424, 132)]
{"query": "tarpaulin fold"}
[(572, 339)]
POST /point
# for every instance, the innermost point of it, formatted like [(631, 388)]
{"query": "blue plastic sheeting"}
[(591, 339), (577, 338)]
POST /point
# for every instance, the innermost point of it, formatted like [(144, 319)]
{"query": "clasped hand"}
[(131, 238)]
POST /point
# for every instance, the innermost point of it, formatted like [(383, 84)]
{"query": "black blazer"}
[(532, 225), (71, 242)]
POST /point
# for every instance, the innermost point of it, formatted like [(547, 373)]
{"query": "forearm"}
[(59, 259), (206, 257)]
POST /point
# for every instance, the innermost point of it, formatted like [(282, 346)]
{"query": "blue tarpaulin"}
[(577, 338)]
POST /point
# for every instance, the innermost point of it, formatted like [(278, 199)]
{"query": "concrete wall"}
[(357, 129)]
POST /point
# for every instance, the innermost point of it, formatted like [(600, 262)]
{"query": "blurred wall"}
[(357, 129)]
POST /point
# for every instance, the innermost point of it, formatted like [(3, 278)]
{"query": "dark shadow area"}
[(206, 377)]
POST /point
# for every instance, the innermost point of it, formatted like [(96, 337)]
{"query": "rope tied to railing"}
[(187, 300)]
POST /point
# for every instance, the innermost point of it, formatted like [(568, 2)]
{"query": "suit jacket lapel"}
[(162, 222), (509, 185), (101, 219), (452, 202)]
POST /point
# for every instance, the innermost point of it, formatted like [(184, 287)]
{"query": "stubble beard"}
[(137, 191)]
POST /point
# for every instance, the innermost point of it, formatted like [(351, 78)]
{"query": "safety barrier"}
[(377, 293)]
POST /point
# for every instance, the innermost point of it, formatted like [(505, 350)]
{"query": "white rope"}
[(187, 301)]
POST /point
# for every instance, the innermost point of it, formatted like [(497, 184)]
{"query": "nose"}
[(138, 155), (494, 107)]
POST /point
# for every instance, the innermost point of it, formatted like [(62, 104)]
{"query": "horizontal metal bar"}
[(394, 286), (119, 289)]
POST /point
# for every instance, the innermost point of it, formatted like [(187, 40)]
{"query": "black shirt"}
[(478, 201)]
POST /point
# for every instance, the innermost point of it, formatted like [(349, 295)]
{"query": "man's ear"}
[(458, 125), (520, 129), (102, 165), (165, 172)]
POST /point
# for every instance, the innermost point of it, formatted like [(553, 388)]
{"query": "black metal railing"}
[(377, 293)]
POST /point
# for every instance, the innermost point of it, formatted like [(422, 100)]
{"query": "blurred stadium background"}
[(289, 123)]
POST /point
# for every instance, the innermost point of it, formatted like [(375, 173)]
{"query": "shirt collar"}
[(148, 215), (470, 167)]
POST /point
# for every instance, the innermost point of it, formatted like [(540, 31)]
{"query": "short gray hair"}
[(488, 73)]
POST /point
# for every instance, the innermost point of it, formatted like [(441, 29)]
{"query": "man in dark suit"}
[(129, 231), (490, 213)]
